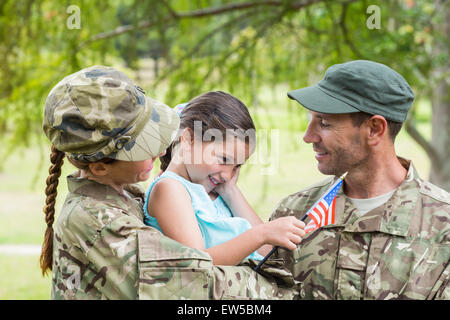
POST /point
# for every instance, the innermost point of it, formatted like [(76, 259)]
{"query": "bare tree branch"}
[(347, 40), (420, 139), (260, 32), (201, 42), (172, 12), (245, 5), (262, 28), (121, 30), (200, 13)]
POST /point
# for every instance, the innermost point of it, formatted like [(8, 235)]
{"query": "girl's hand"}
[(227, 188), (286, 232)]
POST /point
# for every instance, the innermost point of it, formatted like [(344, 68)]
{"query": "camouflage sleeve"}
[(242, 283), (114, 256), (170, 270), (441, 290)]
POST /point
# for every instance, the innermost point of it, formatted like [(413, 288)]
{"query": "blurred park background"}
[(175, 50)]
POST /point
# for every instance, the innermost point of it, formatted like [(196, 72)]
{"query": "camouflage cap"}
[(99, 112)]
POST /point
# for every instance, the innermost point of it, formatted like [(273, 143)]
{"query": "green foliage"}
[(236, 46), (36, 51)]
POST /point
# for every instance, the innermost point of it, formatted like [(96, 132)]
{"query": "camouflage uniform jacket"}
[(103, 250), (400, 250)]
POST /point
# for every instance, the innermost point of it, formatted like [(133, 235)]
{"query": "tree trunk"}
[(440, 136), (440, 172)]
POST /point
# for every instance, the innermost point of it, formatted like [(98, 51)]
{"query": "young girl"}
[(183, 201)]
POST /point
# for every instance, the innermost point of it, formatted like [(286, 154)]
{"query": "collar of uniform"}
[(393, 217), (96, 190)]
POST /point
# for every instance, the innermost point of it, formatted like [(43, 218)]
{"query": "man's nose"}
[(310, 136)]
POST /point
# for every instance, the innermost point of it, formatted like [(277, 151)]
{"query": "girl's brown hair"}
[(57, 160), (215, 110)]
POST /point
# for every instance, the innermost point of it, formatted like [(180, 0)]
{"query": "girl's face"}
[(214, 163)]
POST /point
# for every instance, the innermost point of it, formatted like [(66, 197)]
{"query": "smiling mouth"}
[(213, 181), (318, 151), (321, 153)]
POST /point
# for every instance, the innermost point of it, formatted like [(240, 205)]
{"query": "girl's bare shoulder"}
[(169, 189)]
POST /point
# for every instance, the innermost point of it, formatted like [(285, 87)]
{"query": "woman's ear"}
[(98, 168), (376, 129)]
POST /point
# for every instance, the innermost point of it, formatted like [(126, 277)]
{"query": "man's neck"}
[(380, 176)]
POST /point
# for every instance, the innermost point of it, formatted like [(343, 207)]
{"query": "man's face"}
[(338, 144)]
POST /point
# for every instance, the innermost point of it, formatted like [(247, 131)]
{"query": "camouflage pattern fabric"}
[(103, 250), (400, 250), (99, 112)]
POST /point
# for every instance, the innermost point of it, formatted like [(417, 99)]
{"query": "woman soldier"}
[(99, 247)]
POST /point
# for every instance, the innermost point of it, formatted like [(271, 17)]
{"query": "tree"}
[(440, 146), (240, 46), (38, 48)]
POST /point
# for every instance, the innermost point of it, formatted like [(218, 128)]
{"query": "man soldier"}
[(391, 236)]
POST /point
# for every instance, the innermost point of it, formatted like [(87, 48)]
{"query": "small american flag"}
[(322, 213)]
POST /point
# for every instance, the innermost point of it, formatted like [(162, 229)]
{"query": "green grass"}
[(20, 278), (22, 185), (22, 182)]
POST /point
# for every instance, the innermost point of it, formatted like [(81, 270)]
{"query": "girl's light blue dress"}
[(214, 218)]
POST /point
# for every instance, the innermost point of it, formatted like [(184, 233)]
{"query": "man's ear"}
[(98, 168), (376, 129)]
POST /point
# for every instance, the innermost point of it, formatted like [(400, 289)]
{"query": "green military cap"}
[(357, 86), (99, 112)]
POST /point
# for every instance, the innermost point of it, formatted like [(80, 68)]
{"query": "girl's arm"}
[(236, 201), (239, 205), (285, 232), (171, 205)]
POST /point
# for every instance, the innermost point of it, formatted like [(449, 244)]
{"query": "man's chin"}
[(329, 171), (326, 172)]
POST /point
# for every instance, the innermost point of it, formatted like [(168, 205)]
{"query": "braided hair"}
[(56, 158)]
